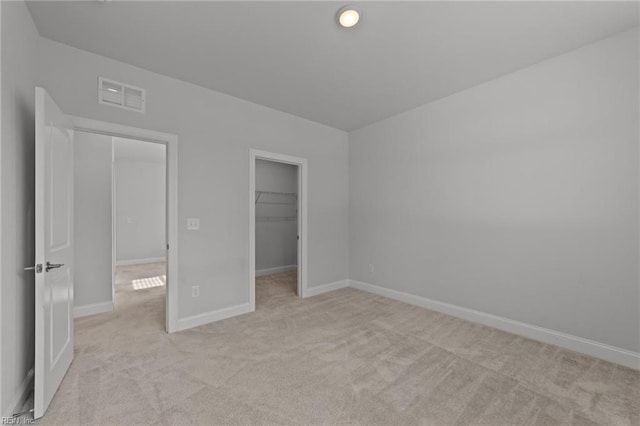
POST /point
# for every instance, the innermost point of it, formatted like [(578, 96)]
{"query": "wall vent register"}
[(120, 95)]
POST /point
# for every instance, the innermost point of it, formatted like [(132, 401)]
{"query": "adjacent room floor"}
[(130, 278), (341, 357)]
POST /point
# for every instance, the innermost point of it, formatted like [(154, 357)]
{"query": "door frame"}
[(255, 154), (171, 143)]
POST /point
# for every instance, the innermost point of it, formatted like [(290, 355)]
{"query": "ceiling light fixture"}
[(348, 16)]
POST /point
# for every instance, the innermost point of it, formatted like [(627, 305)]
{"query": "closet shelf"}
[(275, 218), (278, 201), (275, 202)]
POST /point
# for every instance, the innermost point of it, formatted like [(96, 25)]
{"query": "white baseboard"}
[(276, 270), (574, 343), (93, 309), (208, 317), (21, 395), (567, 341), (245, 308), (314, 291), (140, 261)]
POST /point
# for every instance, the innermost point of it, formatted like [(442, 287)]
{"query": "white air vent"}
[(120, 95)]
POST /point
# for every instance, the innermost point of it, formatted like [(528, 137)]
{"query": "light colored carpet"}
[(345, 357)]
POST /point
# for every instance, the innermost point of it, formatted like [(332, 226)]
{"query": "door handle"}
[(37, 268), (53, 266)]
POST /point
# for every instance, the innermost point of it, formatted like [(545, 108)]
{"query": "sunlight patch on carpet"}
[(150, 282)]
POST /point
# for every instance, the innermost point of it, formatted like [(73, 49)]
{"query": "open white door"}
[(54, 250)]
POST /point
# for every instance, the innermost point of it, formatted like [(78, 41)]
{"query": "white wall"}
[(140, 209), (276, 241), (19, 65), (518, 197), (215, 134), (92, 219)]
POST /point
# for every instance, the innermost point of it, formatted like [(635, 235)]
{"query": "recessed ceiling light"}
[(348, 16)]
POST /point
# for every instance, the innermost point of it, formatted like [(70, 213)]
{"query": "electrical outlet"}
[(193, 224), (195, 291), (371, 268)]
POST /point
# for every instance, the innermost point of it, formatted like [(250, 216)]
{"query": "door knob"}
[(53, 266)]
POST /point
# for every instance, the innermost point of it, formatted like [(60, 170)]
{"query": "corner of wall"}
[(1, 137), (18, 64)]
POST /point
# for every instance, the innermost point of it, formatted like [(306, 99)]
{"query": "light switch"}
[(129, 220), (193, 224)]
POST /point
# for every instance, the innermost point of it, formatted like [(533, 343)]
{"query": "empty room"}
[(320, 212)]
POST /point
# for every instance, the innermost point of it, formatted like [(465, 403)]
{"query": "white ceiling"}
[(292, 56), (131, 149)]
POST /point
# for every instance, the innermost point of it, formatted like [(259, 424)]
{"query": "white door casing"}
[(171, 142), (54, 244)]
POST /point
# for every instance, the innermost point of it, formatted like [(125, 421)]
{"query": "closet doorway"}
[(277, 228)]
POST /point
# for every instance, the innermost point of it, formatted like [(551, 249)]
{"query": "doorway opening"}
[(140, 211), (139, 226), (120, 245), (276, 215), (277, 227)]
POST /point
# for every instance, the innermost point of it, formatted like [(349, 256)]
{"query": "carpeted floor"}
[(345, 357)]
